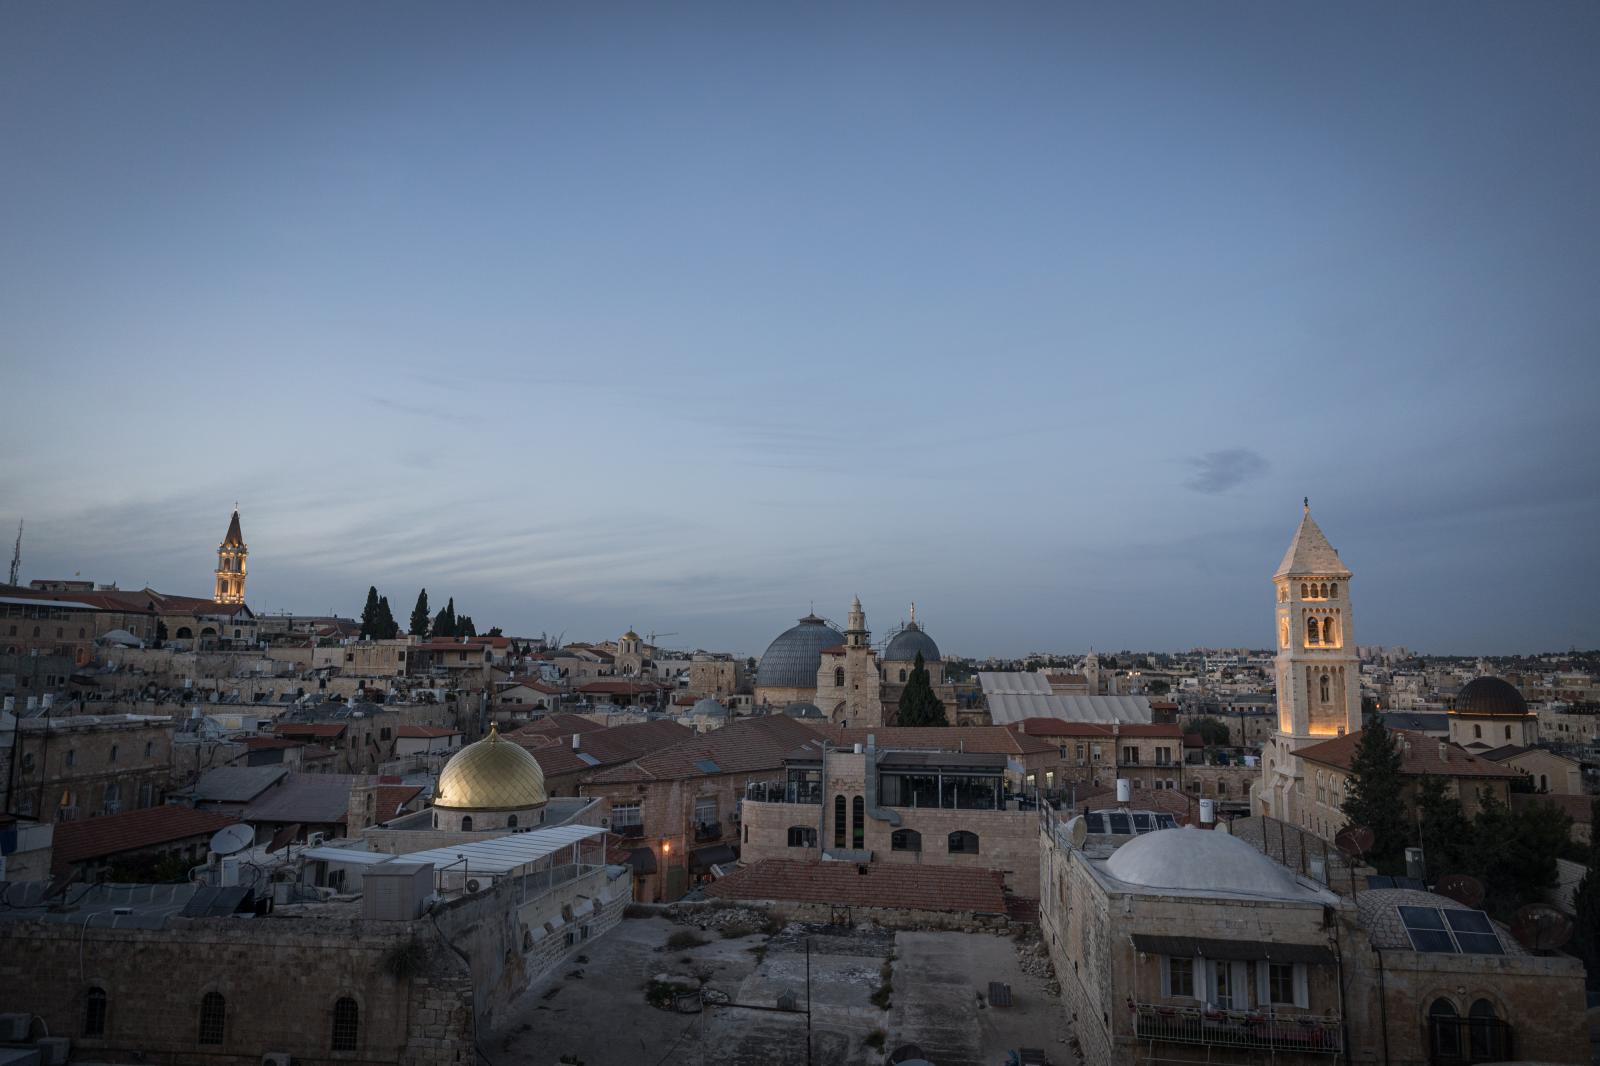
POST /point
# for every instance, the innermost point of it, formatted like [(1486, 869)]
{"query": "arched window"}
[(858, 823), (511, 822), (905, 840), (466, 823), (1508, 732), (213, 1013), (94, 1012), (1327, 632), (963, 843), (1443, 1029), (838, 677), (1324, 688), (1483, 1034), (184, 633), (902, 675), (802, 836), (1333, 589), (113, 798), (1305, 591), (838, 821), (346, 1024), (1311, 631)]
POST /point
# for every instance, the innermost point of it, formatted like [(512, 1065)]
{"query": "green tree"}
[(419, 615), (1586, 907), (1513, 850), (444, 623), (918, 704), (494, 631), (1374, 797), (369, 614), (1213, 733), (388, 628), (1443, 832), (1158, 687)]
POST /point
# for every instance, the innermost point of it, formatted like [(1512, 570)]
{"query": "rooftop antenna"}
[(16, 555)]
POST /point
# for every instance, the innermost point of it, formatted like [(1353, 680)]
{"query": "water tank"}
[(1124, 790), (1208, 812)]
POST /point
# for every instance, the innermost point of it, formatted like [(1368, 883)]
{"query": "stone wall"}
[(279, 977), (1007, 840)]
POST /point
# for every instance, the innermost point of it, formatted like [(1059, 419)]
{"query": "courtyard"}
[(654, 991)]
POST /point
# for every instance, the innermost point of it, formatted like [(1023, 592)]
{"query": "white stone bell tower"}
[(1319, 673)]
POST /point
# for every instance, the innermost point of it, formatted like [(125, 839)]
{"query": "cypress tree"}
[(1445, 835), (464, 626), (369, 614), (1586, 907), (388, 628), (444, 623), (918, 704), (419, 615), (1374, 797)]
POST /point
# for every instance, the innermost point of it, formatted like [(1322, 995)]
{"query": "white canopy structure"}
[(503, 855)]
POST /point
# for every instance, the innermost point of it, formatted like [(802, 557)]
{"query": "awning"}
[(643, 860), (700, 858), (1182, 947)]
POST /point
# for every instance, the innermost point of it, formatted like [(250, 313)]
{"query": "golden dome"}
[(491, 775), (630, 635)]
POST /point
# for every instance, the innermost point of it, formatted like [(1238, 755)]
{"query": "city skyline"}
[(690, 320)]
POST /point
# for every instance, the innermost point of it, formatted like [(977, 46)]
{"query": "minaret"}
[(855, 634), (1319, 674), (231, 555)]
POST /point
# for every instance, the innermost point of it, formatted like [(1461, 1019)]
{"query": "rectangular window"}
[(1280, 983), (1080, 754), (1094, 753), (1130, 755), (705, 811), (624, 814), (1180, 978)]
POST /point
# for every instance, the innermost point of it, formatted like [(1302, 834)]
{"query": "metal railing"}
[(633, 831), (1259, 1030)]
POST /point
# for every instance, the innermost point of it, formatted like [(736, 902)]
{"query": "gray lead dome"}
[(904, 645), (792, 660)]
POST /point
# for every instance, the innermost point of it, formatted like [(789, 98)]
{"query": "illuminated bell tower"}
[(1319, 673), (231, 555)]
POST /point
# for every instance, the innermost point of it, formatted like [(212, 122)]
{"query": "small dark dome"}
[(792, 660), (904, 645), (1490, 695)]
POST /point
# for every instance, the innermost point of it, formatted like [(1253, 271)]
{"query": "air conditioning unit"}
[(315, 840), (53, 1049), (472, 884), (276, 1058)]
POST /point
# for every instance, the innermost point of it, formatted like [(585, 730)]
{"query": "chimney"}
[(575, 741)]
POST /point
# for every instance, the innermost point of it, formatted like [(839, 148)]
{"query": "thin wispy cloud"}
[(1215, 473)]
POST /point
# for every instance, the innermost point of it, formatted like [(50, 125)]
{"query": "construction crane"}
[(16, 556), (650, 637)]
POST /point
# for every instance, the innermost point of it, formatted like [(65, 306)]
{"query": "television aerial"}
[(1354, 841), (1463, 888), (1540, 927), (232, 838)]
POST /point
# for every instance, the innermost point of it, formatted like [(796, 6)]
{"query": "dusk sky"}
[(686, 317)]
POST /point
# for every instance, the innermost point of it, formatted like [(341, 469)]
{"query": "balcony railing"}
[(1258, 1030), (633, 831), (707, 831)]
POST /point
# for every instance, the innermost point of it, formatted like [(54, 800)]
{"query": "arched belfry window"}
[(1325, 696), (1311, 631), (1305, 591), (838, 677)]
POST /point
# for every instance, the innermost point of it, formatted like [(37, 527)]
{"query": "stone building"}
[(1183, 945), (928, 797), (57, 768), (1319, 674), (1326, 769), (1544, 769), (569, 760), (678, 808), (1489, 712)]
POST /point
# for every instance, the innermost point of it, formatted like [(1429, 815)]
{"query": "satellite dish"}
[(232, 838), (1354, 840), (283, 837), (1463, 888), (1540, 927), (1077, 830)]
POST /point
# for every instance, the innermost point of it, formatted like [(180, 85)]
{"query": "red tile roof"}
[(95, 838), (1420, 754), (912, 886), (557, 725), (978, 739), (266, 743), (742, 745), (618, 744), (393, 797), (425, 732)]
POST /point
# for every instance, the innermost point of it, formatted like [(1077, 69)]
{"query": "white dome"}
[(1198, 860)]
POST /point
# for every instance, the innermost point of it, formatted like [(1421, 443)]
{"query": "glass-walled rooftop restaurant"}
[(943, 780)]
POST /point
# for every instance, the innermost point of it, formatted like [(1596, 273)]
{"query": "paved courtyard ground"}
[(597, 1011)]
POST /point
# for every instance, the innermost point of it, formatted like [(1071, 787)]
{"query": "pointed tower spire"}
[(1310, 553), (231, 555)]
